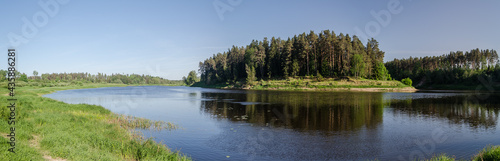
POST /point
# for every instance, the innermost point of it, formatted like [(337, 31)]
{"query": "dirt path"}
[(35, 144)]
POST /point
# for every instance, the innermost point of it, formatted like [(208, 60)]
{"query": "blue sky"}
[(169, 38)]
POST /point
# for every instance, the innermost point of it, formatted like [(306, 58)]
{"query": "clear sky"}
[(169, 38)]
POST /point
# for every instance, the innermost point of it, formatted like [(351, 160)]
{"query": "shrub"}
[(34, 84), (407, 81), (319, 78), (488, 153)]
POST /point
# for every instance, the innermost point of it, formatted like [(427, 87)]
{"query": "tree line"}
[(90, 78), (458, 67), (325, 54)]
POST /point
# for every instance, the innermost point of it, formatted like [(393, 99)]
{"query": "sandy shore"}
[(405, 89)]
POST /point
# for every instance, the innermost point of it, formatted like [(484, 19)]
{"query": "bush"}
[(407, 81), (21, 83), (319, 77), (117, 81), (34, 84), (78, 83), (488, 153)]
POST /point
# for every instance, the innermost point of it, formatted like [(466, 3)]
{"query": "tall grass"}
[(488, 153), (50, 128), (441, 157), (131, 122)]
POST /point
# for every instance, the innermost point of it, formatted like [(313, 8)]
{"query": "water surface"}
[(283, 125)]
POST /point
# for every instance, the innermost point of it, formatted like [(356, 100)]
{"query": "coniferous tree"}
[(324, 54)]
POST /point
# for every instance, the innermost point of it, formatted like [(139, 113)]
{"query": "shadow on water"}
[(344, 111), (344, 126), (309, 124), (458, 110), (299, 111)]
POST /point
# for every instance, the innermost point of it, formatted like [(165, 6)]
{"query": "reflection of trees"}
[(461, 109), (299, 110)]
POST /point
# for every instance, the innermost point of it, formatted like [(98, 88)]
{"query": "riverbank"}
[(47, 129), (489, 153), (329, 84)]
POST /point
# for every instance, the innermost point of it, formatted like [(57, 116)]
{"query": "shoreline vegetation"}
[(489, 153), (307, 55), (317, 84), (470, 70), (47, 129), (330, 55)]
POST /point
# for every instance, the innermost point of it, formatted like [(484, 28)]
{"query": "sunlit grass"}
[(313, 84), (489, 153), (442, 157), (50, 128), (131, 122)]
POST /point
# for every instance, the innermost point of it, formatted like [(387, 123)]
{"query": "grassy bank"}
[(47, 129), (490, 153), (315, 84)]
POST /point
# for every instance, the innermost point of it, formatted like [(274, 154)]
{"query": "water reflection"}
[(299, 111), (347, 111), (472, 110), (284, 125)]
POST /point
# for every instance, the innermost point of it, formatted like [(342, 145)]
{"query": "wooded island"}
[(330, 57)]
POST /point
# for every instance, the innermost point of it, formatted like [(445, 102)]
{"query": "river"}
[(284, 125)]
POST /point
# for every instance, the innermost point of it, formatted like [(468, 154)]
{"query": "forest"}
[(322, 55), (469, 68), (78, 78)]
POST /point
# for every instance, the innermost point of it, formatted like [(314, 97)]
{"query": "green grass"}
[(489, 153), (49, 128), (442, 157)]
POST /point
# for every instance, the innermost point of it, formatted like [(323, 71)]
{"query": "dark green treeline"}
[(325, 54), (464, 68), (89, 78)]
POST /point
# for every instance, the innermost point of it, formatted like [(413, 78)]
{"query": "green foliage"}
[(250, 74), (3, 75), (407, 81), (23, 78), (191, 78), (381, 72), (47, 79), (441, 157), (326, 53), (319, 77), (357, 65), (47, 127), (117, 81), (490, 153), (456, 70), (295, 68)]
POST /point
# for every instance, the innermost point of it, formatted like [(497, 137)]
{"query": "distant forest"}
[(89, 78), (468, 68), (325, 55)]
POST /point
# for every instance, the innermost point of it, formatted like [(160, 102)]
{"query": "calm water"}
[(279, 125)]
